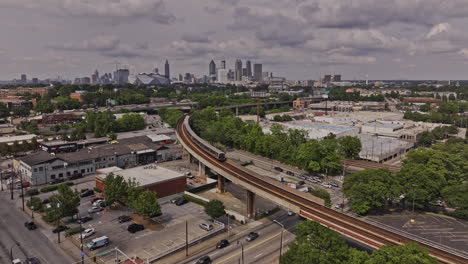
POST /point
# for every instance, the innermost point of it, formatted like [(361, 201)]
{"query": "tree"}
[(35, 203), (4, 111), (370, 189), (426, 138), (425, 107), (322, 194), (20, 111), (350, 147), (115, 188), (403, 254), (44, 106), (64, 203), (130, 122), (146, 204), (215, 209)]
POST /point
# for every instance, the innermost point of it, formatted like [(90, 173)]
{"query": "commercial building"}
[(150, 177), (167, 72), (248, 66), (258, 72), (381, 149), (238, 70), (121, 76), (222, 76), (381, 128), (42, 167), (212, 68), (320, 130)]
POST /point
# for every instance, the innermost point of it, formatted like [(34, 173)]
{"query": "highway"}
[(349, 226), (263, 250), (32, 243)]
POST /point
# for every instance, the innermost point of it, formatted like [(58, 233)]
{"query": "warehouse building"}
[(150, 177)]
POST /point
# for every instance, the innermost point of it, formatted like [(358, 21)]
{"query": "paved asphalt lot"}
[(32, 243)]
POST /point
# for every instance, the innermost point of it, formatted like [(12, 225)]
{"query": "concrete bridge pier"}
[(237, 111), (221, 183), (250, 204)]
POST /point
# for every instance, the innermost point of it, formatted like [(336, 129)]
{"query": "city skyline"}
[(298, 39)]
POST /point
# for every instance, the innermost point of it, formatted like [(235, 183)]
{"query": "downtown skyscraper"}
[(166, 70), (238, 70)]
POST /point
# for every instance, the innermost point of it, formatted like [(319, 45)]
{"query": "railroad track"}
[(342, 223)]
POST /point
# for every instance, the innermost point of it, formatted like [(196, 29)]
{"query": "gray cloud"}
[(198, 38)]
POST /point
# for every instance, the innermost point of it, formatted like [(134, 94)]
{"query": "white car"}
[(87, 233)]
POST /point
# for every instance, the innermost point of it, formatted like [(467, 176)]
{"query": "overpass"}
[(306, 205)]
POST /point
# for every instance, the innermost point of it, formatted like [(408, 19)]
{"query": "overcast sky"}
[(298, 39)]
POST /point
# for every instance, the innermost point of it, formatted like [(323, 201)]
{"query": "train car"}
[(218, 154)]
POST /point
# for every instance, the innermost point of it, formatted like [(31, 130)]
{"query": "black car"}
[(32, 260), (87, 193), (60, 228), (290, 173), (204, 260), (30, 225), (222, 244), (133, 228), (84, 219), (300, 183), (278, 169), (251, 236), (124, 218), (180, 201)]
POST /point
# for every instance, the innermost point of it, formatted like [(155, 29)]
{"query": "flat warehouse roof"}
[(148, 175)]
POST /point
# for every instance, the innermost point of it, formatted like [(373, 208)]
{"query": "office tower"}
[(248, 66), (24, 79), (258, 72), (156, 70), (121, 76), (223, 64), (326, 78), (212, 69), (35, 80), (336, 78), (231, 76), (244, 72), (238, 70), (222, 76), (166, 70), (181, 78)]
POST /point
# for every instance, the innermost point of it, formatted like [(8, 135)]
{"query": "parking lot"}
[(437, 228), (164, 233)]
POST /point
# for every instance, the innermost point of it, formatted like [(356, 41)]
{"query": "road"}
[(31, 243), (265, 249)]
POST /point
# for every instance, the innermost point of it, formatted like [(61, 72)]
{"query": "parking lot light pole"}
[(281, 239)]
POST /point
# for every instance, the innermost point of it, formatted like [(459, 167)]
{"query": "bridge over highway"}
[(305, 205)]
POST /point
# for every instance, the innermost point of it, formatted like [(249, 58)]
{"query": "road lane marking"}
[(249, 248), (258, 255)]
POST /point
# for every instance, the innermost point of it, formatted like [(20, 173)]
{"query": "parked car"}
[(30, 225), (334, 184), (327, 185), (60, 228), (98, 242), (56, 181), (290, 173), (251, 236), (99, 203), (133, 228), (95, 209), (87, 233), (95, 199), (204, 260), (278, 169), (300, 183), (290, 213), (124, 218), (87, 193), (32, 260), (206, 226), (84, 219), (302, 177), (222, 244), (180, 201)]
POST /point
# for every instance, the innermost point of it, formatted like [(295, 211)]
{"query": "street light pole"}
[(281, 239)]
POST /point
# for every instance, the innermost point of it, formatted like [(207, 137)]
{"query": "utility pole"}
[(22, 189), (11, 186), (281, 239), (186, 238), (242, 246)]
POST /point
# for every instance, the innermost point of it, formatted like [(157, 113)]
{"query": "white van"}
[(98, 242)]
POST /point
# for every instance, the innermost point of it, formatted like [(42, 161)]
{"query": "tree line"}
[(291, 146), (428, 178), (316, 244)]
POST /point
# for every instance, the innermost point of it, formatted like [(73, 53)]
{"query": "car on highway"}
[(204, 260), (32, 260), (278, 169), (87, 233), (302, 177), (87, 193), (30, 225), (290, 173), (124, 218), (133, 228), (206, 226), (334, 184), (95, 209), (84, 219), (222, 244), (60, 228), (251, 236), (300, 183)]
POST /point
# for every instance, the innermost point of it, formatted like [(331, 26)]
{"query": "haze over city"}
[(396, 39)]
